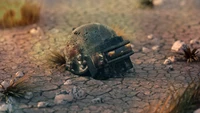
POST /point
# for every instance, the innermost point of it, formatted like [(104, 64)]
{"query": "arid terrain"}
[(25, 49)]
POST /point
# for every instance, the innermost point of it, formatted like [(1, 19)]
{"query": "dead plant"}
[(190, 54), (17, 87)]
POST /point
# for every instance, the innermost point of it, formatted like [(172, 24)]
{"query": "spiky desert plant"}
[(190, 54), (17, 87), (57, 58), (18, 13)]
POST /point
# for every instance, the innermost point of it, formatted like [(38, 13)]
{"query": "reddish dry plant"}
[(29, 12)]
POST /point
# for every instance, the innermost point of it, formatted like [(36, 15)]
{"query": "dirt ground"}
[(172, 20)]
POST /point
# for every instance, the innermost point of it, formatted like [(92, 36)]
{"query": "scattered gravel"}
[(170, 67), (178, 46), (63, 98), (172, 58), (6, 108), (19, 74), (97, 100), (156, 48), (28, 95), (42, 104), (150, 36), (5, 84), (68, 82), (145, 50), (195, 41), (167, 62)]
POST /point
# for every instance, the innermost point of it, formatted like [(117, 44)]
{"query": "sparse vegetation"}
[(180, 101), (18, 13), (56, 58), (190, 54), (16, 87)]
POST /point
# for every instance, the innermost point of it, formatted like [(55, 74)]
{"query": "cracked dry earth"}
[(173, 20)]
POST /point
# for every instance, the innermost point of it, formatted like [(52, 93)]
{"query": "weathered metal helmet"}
[(90, 35), (84, 39)]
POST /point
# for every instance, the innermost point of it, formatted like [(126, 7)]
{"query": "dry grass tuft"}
[(179, 102), (19, 15), (17, 87), (56, 58)]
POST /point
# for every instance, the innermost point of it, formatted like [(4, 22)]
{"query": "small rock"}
[(63, 98), (132, 46), (4, 107), (78, 93), (55, 30), (68, 82), (62, 92), (42, 104), (167, 62), (197, 111), (157, 2), (97, 100), (145, 50), (178, 46), (19, 74), (156, 48), (170, 68), (194, 41), (5, 84), (28, 95), (34, 31), (172, 58), (150, 36)]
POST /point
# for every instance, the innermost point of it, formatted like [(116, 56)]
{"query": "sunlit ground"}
[(168, 21)]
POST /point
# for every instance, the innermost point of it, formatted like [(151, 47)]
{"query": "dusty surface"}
[(175, 19)]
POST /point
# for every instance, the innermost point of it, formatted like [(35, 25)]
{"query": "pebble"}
[(197, 111), (5, 84), (172, 58), (42, 104), (145, 50), (55, 30), (63, 98), (77, 93), (150, 36), (28, 95), (156, 48), (19, 74), (34, 31), (97, 100), (68, 82), (195, 41), (170, 68), (157, 2), (178, 46), (6, 108), (167, 62)]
